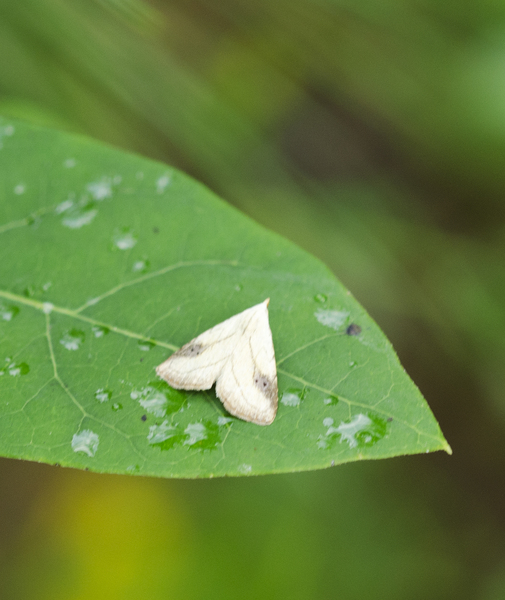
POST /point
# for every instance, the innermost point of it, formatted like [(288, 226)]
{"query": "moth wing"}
[(197, 365), (247, 383)]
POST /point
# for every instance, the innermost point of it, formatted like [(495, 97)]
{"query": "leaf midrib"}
[(48, 308)]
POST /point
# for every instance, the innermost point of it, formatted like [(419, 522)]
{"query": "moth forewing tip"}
[(267, 421), (264, 419)]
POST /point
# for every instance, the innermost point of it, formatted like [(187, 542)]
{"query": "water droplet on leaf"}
[(100, 330), (162, 182), (77, 215), (103, 395), (14, 369), (159, 399), (100, 189), (124, 239), (85, 441), (331, 400), (140, 266), (292, 397), (331, 318), (73, 339), (145, 345), (360, 431), (201, 436), (8, 312)]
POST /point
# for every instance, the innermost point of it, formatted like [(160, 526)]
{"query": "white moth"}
[(237, 354)]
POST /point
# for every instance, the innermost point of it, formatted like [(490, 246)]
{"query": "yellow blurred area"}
[(102, 537)]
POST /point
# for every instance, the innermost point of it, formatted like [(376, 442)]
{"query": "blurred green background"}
[(369, 132)]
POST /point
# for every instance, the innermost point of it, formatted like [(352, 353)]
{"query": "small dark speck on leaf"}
[(141, 359), (144, 417), (390, 419), (353, 329), (156, 230)]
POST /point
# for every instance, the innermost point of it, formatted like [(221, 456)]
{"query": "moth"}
[(237, 355)]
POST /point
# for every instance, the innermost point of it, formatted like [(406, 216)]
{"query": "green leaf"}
[(109, 262)]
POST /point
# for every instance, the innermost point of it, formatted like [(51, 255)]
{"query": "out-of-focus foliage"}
[(372, 134)]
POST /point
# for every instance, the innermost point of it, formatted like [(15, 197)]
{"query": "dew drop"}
[(195, 432), (292, 397), (162, 182), (8, 312), (245, 469), (145, 345), (47, 308), (321, 298), (203, 436), (332, 318), (124, 239), (100, 190), (14, 369), (140, 266), (77, 215), (331, 401), (7, 130), (165, 436), (73, 339), (360, 431), (159, 399), (155, 403), (85, 441), (103, 395), (100, 330), (63, 206), (116, 406), (200, 436)]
